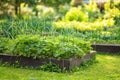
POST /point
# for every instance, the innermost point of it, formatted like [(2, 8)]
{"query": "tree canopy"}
[(5, 4)]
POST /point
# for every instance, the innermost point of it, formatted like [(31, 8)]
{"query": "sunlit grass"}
[(106, 68), (2, 20)]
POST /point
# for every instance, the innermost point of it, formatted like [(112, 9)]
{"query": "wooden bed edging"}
[(110, 48), (68, 64)]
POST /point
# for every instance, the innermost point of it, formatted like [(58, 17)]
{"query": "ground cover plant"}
[(106, 68)]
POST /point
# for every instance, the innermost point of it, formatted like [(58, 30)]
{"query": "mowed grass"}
[(107, 67)]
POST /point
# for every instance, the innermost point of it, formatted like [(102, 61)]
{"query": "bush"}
[(76, 14), (92, 10), (113, 12), (117, 4)]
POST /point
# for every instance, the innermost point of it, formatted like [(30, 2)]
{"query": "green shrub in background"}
[(92, 10), (87, 13), (48, 14), (76, 14), (112, 12), (63, 9), (117, 4), (54, 47)]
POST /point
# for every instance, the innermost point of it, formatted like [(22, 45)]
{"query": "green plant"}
[(55, 47), (76, 14), (83, 26), (14, 27), (51, 67), (3, 44), (92, 10)]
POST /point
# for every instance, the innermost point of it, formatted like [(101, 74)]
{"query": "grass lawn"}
[(107, 68)]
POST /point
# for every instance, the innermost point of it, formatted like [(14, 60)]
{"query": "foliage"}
[(48, 14), (97, 27), (55, 47), (3, 8), (14, 27), (55, 3), (76, 14), (87, 13), (3, 44), (51, 67), (84, 26), (117, 4), (63, 9), (16, 4), (113, 12), (92, 10)]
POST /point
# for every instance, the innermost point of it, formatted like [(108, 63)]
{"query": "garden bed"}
[(110, 48), (67, 64)]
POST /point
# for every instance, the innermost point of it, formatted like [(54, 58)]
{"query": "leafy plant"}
[(83, 26), (76, 14), (3, 44), (50, 67), (55, 47)]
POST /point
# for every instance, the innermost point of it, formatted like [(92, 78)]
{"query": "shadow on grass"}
[(110, 54)]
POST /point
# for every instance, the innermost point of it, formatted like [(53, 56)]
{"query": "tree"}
[(33, 3), (29, 2), (4, 5)]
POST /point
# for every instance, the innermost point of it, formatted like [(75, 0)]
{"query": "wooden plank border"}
[(67, 64)]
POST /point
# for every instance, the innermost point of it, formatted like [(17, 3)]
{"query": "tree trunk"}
[(19, 9), (16, 7), (16, 10)]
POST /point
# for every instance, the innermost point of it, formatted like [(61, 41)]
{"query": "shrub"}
[(113, 12), (83, 26), (117, 4), (92, 10), (76, 14)]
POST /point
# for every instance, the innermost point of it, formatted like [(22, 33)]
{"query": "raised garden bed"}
[(110, 48), (68, 64)]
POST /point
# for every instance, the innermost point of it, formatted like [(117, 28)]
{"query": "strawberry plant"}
[(50, 46)]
